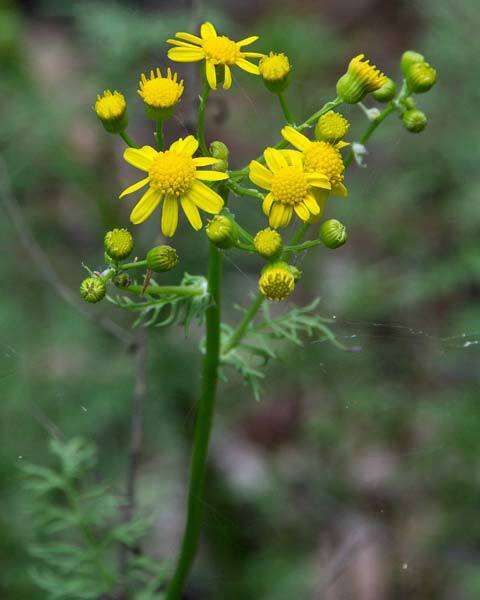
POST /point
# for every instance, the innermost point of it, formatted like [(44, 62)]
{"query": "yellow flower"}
[(276, 281), (110, 108), (173, 177), (268, 242), (331, 127), (290, 187), (216, 50), (160, 92), (360, 79), (320, 157), (274, 67)]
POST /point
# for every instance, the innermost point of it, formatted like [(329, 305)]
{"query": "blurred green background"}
[(357, 475)]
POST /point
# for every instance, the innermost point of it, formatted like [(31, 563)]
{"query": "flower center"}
[(172, 173), (323, 157), (289, 185), (221, 50), (160, 92)]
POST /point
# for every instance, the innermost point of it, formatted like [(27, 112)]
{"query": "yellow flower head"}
[(274, 67), (331, 127), (110, 106), (172, 178), (158, 91), (216, 50), (360, 79), (290, 187), (319, 157), (277, 281), (118, 243), (268, 242)]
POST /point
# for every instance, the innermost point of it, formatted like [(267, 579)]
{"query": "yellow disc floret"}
[(322, 156), (110, 106), (289, 185), (118, 243), (276, 282), (221, 50), (331, 127), (160, 92), (274, 67), (172, 173), (268, 242)]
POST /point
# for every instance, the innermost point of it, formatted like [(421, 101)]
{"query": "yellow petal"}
[(252, 55), (210, 175), (318, 180), (247, 66), (341, 144), (186, 54), (260, 175), (211, 74), (247, 41), (169, 216), (338, 189), (280, 215), (321, 198), (205, 198), (189, 37), (186, 145), (296, 138), (146, 205), (267, 203), (207, 30), (140, 157), (302, 211), (294, 157), (311, 204), (275, 160), (135, 187), (181, 44), (204, 161), (191, 212), (227, 80)]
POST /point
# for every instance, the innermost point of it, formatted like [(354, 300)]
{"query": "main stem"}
[(201, 118), (203, 427)]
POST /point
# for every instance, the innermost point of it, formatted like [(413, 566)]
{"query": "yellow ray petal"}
[(321, 198), (318, 180), (312, 204), (260, 175), (253, 54), (280, 215), (181, 44), (211, 74), (294, 157), (338, 189), (210, 175), (296, 138), (186, 54), (205, 198), (267, 203), (135, 187), (186, 145), (247, 41), (247, 66), (191, 212), (207, 30), (227, 80), (302, 211), (275, 160), (145, 206), (189, 37), (140, 157), (169, 216), (341, 144), (204, 161)]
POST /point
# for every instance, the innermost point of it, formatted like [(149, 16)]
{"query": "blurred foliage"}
[(386, 438)]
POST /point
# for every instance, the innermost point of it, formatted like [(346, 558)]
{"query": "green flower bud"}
[(121, 280), (162, 258), (409, 58), (277, 281), (386, 92), (333, 233), (118, 243), (421, 78), (275, 70), (414, 120), (268, 242), (361, 79), (409, 102), (222, 231), (111, 109), (220, 151), (92, 289)]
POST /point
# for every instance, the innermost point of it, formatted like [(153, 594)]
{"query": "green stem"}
[(286, 111), (160, 138), (165, 290), (201, 118), (133, 265), (296, 238), (242, 328), (304, 246), (127, 139), (203, 426), (243, 191)]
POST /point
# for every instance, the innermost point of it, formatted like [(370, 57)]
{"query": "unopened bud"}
[(414, 120), (220, 151), (118, 243), (268, 242), (409, 58), (222, 231), (92, 289), (386, 92), (421, 78), (333, 233), (162, 258)]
